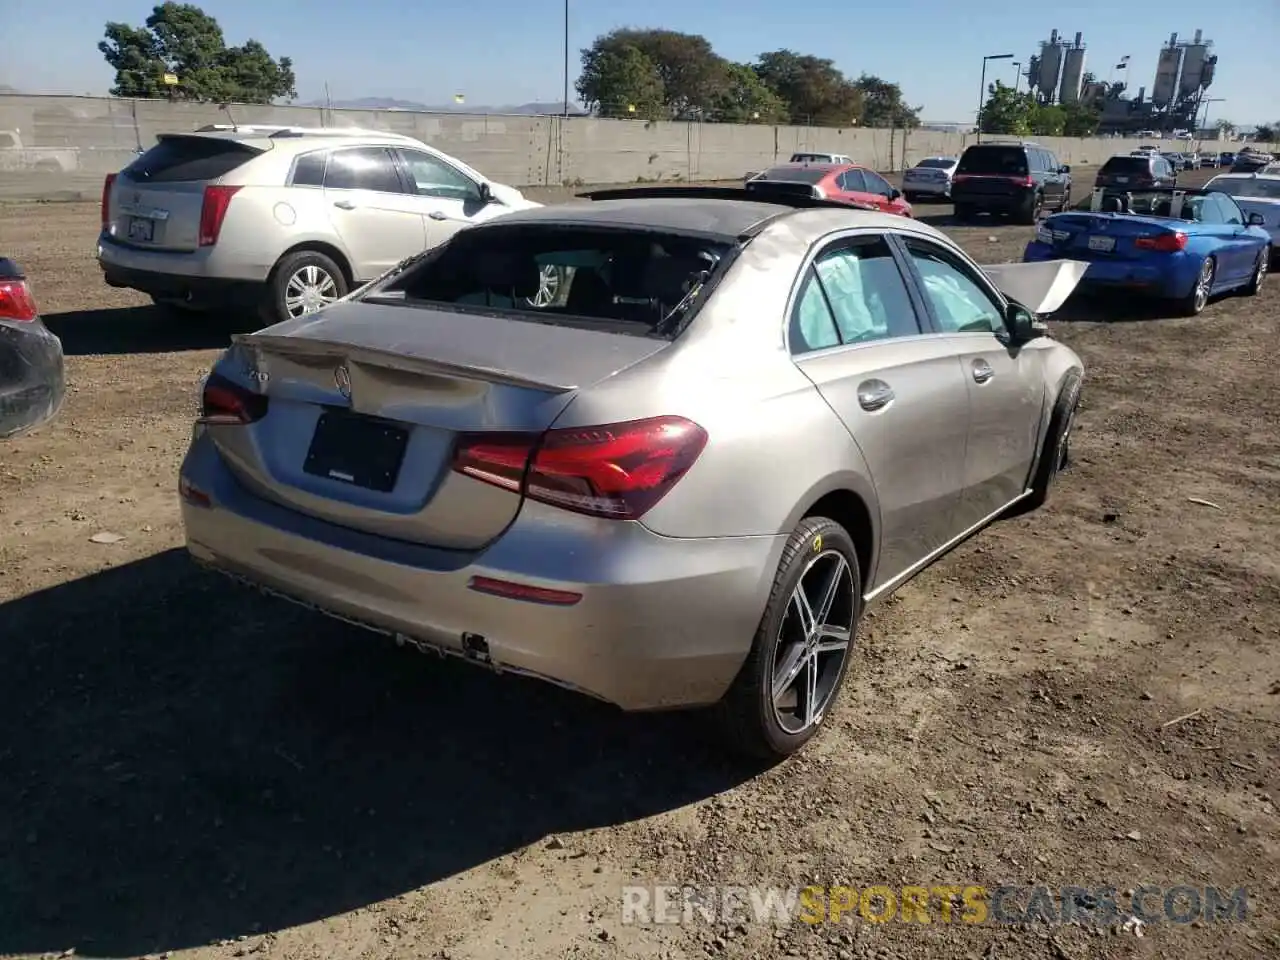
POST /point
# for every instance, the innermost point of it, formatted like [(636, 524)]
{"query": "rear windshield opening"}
[(1000, 161), (179, 159), (1124, 165), (937, 163), (650, 281), (796, 174)]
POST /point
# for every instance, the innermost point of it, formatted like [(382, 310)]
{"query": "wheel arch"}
[(328, 249), (849, 501)]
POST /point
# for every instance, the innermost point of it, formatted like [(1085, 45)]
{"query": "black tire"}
[(1066, 201), (747, 713), (965, 211), (911, 197), (1259, 273), (274, 307), (1055, 455), (1193, 304), (1029, 210)]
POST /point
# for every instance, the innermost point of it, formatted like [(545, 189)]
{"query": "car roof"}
[(726, 220), (280, 135), (1259, 175), (810, 165)]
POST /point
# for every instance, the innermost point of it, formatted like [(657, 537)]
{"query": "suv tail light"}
[(1163, 242), (16, 301), (226, 402), (1027, 181), (618, 470), (107, 183), (213, 211)]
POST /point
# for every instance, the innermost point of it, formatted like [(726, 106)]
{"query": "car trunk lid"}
[(156, 202), (367, 401), (1102, 236)]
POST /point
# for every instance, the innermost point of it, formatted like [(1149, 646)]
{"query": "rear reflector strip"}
[(523, 591)]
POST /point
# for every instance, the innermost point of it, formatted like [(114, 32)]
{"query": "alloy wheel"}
[(308, 290), (813, 644), (548, 287), (1204, 283), (1261, 275)]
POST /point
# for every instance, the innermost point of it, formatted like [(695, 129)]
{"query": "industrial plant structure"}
[(1184, 71)]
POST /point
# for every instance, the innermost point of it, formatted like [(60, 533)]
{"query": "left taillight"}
[(225, 402), (213, 211), (1163, 242), (618, 471), (16, 301), (107, 183)]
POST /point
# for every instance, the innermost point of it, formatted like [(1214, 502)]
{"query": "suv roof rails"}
[(781, 192), (289, 130)]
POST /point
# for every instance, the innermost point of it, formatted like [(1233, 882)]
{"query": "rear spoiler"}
[(1040, 287), (799, 195)]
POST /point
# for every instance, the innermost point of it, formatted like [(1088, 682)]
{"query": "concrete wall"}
[(73, 141)]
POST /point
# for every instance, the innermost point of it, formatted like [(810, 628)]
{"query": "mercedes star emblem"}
[(342, 377)]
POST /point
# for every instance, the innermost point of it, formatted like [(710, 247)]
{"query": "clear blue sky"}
[(500, 52)]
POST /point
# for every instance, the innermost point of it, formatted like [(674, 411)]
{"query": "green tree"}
[(182, 39), (1046, 121), (746, 99), (1081, 119), (882, 104), (1006, 111), (616, 79), (693, 77), (813, 89), (1267, 132)]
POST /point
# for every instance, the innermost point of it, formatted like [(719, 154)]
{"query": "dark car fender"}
[(32, 379)]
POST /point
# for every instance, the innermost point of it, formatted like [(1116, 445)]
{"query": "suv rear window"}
[(1126, 165), (176, 159), (635, 280), (998, 160), (936, 163)]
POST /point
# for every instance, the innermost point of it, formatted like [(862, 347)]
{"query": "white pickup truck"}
[(14, 156)]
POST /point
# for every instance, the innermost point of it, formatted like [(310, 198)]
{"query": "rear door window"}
[(363, 168), (994, 160), (183, 159)]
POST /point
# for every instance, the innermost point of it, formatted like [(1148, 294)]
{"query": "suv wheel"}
[(1029, 210), (303, 283)]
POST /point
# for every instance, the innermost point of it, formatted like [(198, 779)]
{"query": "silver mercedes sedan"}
[(742, 419)]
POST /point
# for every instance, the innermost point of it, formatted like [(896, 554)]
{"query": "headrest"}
[(1113, 204), (503, 271)]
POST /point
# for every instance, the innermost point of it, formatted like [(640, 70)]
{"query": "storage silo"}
[(1072, 72), (1167, 68), (1194, 60), (1050, 65)]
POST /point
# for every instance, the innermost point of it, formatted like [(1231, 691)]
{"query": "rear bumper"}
[(1013, 199), (32, 379), (1172, 279), (927, 188), (196, 277), (662, 622)]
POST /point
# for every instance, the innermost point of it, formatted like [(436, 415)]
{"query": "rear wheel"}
[(911, 197), (801, 649), (965, 211), (302, 283), (1193, 304), (1029, 209)]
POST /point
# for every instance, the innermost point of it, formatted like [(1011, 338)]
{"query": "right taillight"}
[(213, 211), (107, 183), (226, 402), (16, 301), (1163, 242), (617, 470)]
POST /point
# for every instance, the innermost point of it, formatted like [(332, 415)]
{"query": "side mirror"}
[(894, 193), (486, 195), (1256, 220), (1065, 168), (1022, 324)]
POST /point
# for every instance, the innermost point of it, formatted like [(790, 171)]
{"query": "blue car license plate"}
[(1102, 244)]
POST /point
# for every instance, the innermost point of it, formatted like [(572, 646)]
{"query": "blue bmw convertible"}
[(1179, 245)]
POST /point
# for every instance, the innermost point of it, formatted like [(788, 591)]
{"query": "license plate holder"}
[(1102, 244), (142, 229), (358, 450)]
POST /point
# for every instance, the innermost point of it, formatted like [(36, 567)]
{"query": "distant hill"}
[(390, 103)]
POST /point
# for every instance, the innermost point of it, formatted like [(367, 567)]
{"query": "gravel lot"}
[(192, 768)]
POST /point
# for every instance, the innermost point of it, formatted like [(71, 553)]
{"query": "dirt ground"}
[(1086, 696)]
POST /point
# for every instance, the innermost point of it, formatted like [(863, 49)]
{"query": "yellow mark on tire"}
[(817, 543)]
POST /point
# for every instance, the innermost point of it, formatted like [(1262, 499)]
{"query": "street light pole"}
[(566, 58), (982, 88)]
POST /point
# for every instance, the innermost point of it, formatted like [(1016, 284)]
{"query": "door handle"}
[(344, 204), (982, 371), (874, 395), (437, 215)]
